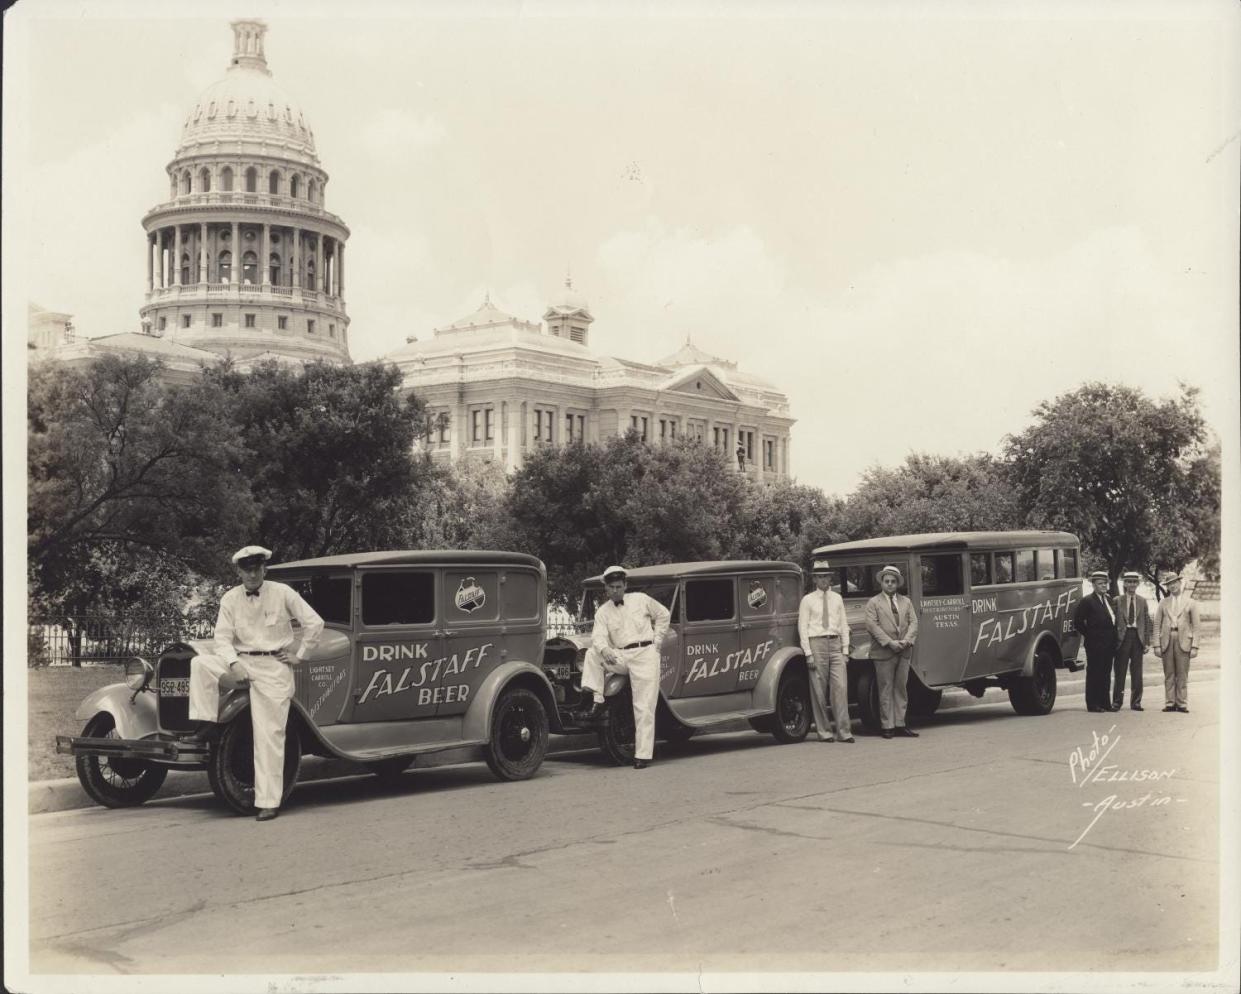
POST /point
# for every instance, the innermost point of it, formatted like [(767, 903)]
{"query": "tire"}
[(1035, 694), (791, 721), (230, 765), (112, 781), (868, 698), (923, 701), (389, 769), (518, 739), (616, 732)]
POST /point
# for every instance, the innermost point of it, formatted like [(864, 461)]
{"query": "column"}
[(340, 269), (234, 276), (159, 257), (176, 255), (329, 268), (264, 264), (202, 253), (150, 263), (500, 409), (297, 257), (319, 264), (514, 437)]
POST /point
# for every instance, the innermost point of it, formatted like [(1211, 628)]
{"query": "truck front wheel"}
[(115, 781)]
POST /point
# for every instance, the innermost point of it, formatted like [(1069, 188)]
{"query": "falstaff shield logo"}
[(470, 596), (758, 594)]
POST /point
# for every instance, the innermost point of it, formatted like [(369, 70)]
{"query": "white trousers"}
[(271, 689), (642, 665), (828, 669)]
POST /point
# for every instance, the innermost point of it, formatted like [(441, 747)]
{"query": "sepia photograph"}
[(552, 496)]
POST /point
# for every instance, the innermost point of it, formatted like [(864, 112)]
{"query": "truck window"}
[(1068, 562), (1046, 564), (398, 598), (666, 594), (330, 596), (941, 575), (1004, 570), (1025, 565), (863, 581), (980, 569), (709, 600)]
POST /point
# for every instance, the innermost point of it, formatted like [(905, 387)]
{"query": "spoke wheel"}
[(230, 768), (792, 717), (1036, 694), (113, 781), (617, 733), (519, 731)]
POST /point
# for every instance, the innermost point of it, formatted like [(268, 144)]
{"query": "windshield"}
[(665, 593)]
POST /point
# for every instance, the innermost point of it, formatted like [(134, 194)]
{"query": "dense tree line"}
[(139, 490)]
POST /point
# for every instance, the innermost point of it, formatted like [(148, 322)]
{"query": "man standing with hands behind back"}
[(627, 633), (253, 633), (893, 628), (1095, 620), (824, 632)]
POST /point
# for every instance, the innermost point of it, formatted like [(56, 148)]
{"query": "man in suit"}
[(893, 628), (1134, 635), (1095, 620), (1176, 624)]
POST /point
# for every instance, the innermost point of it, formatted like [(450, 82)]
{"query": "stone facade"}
[(504, 387)]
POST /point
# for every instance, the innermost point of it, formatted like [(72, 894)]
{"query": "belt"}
[(832, 636), (638, 645), (1174, 629), (258, 652)]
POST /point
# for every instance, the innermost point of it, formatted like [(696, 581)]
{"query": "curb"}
[(47, 796)]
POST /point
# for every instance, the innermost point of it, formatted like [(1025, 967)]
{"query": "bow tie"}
[(252, 593)]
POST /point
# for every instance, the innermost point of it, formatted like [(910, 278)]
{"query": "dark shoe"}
[(847, 742), (908, 733), (1137, 707), (597, 709), (1096, 710), (1183, 710), (266, 814), (1114, 707), (886, 733), (828, 739), (1117, 705), (1170, 707), (641, 764)]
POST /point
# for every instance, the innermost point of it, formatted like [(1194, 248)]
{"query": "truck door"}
[(472, 645), (759, 633), (711, 632), (942, 649)]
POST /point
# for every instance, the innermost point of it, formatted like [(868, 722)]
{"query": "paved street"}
[(955, 852)]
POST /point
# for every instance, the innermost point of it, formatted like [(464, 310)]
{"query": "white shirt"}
[(812, 622), (249, 624), (641, 618)]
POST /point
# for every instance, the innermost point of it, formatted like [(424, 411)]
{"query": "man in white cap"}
[(628, 630), (893, 628), (253, 633), (1176, 621), (1095, 619), (1134, 635), (824, 632)]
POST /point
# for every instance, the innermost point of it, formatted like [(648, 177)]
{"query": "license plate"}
[(174, 687), (558, 671)]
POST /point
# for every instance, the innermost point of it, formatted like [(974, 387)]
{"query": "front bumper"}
[(168, 750)]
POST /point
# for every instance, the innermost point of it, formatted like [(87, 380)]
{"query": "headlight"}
[(138, 673)]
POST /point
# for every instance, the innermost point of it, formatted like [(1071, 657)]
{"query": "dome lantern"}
[(248, 45)]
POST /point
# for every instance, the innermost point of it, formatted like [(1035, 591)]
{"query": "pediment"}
[(699, 382)]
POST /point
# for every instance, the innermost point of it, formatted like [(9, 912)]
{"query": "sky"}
[(919, 221)]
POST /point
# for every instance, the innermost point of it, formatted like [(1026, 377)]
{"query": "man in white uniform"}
[(626, 637), (252, 637), (824, 631)]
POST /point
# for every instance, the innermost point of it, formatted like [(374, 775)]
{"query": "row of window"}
[(277, 273), (248, 321), (249, 183), (943, 575)]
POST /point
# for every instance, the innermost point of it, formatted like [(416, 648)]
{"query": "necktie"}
[(894, 611), (827, 626), (1132, 618)]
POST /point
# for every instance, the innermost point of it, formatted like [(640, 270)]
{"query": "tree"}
[(461, 506), (785, 520), (932, 494), (125, 472), (330, 455), (1129, 476)]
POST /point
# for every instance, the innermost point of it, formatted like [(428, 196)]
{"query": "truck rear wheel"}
[(791, 722), (616, 732), (518, 739), (923, 701), (868, 698), (230, 767), (113, 781), (1036, 693)]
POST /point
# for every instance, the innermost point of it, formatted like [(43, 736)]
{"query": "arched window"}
[(274, 269), (252, 180), (295, 187), (249, 268), (185, 269), (226, 179), (311, 189), (226, 266), (185, 181), (204, 180), (273, 182)]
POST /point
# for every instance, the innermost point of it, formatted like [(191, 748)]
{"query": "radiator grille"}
[(174, 712)]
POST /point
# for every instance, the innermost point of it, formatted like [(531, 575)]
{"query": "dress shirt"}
[(814, 622), (261, 624), (1107, 604), (640, 618)]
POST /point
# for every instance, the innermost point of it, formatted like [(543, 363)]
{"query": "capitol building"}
[(245, 261)]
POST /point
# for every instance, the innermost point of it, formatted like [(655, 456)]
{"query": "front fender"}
[(133, 721), (1046, 639), (477, 724), (769, 682)]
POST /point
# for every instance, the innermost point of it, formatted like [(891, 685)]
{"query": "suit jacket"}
[(1142, 616), (1186, 624), (885, 628), (1095, 623)]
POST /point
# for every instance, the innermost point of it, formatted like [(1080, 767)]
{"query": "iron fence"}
[(92, 640)]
